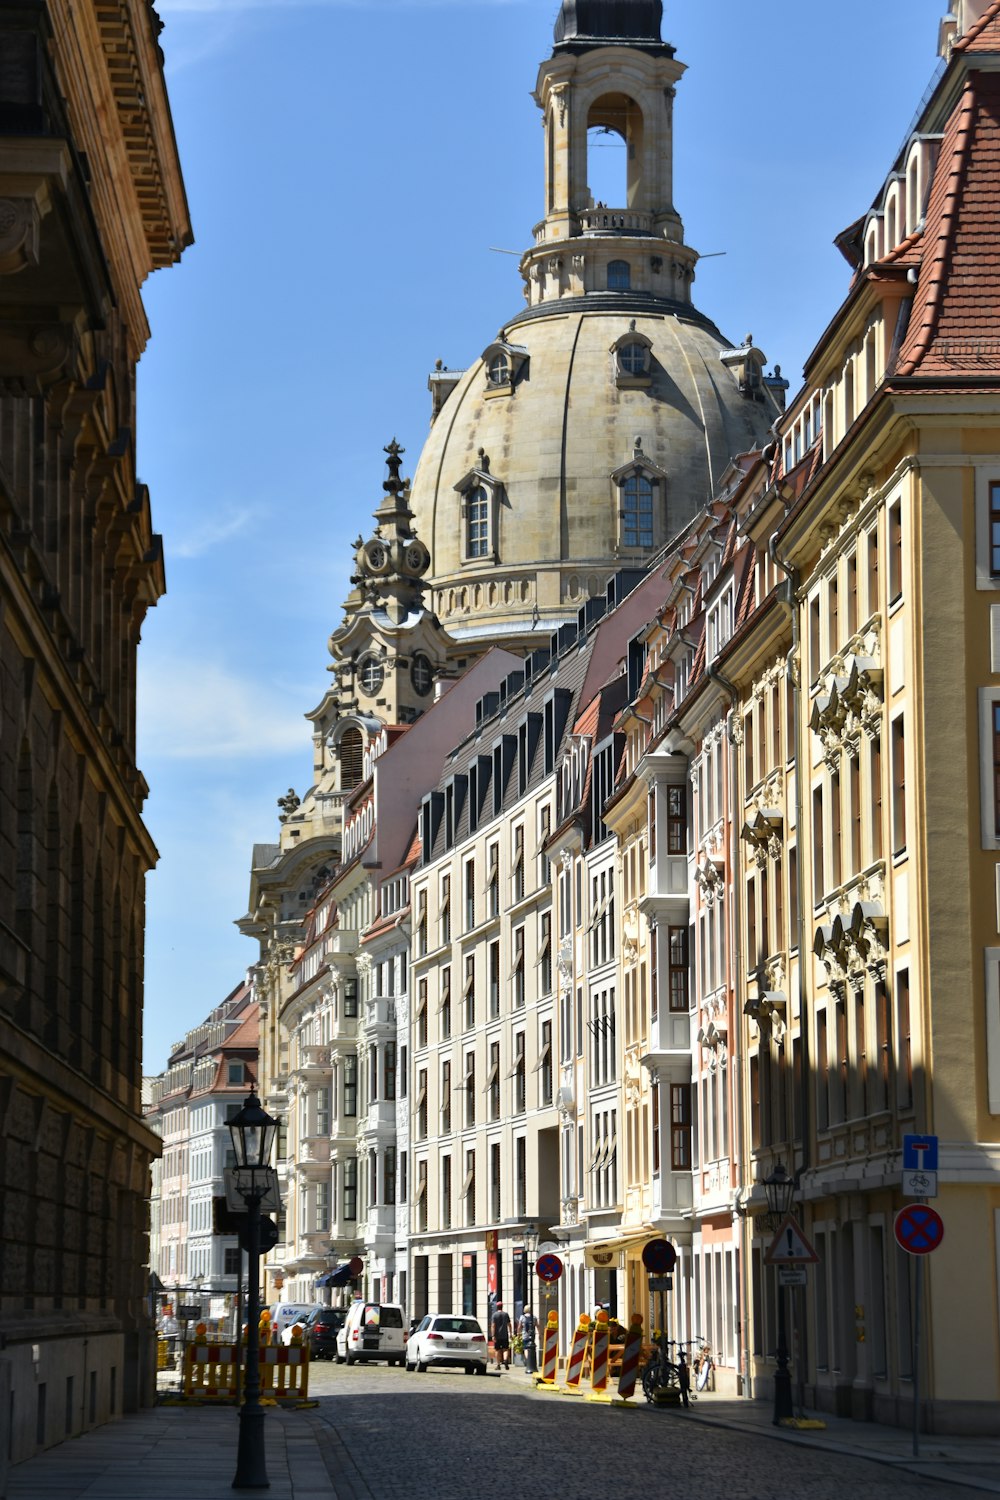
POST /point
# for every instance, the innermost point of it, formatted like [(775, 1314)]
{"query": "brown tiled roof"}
[(956, 310), (985, 35), (908, 252)]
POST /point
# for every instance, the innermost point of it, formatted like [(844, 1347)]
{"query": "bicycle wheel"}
[(657, 1377)]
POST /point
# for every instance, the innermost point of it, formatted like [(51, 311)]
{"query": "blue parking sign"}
[(920, 1153)]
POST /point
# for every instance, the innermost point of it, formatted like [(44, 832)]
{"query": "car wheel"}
[(480, 1369), (349, 1360), (421, 1367)]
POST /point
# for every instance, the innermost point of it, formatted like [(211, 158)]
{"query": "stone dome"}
[(546, 462)]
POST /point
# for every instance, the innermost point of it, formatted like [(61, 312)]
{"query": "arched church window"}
[(477, 523), (351, 753), (619, 276), (637, 511), (498, 372)]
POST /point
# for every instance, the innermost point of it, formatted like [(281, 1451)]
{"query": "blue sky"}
[(349, 164)]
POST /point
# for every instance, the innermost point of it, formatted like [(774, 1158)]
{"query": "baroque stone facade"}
[(79, 567)]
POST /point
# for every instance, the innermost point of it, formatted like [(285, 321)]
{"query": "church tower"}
[(600, 417)]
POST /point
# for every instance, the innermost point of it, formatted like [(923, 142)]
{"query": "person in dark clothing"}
[(500, 1329), (527, 1329)]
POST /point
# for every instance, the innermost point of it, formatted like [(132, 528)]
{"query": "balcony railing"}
[(601, 220)]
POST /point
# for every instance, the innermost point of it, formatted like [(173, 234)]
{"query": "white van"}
[(373, 1330), (284, 1314)]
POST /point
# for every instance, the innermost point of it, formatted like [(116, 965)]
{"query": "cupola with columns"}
[(610, 70)]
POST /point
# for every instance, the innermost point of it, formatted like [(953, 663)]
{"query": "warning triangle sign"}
[(790, 1246)]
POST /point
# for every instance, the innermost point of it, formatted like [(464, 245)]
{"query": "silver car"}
[(447, 1339)]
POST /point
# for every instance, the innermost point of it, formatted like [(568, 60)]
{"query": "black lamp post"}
[(779, 1188), (253, 1132), (531, 1250)]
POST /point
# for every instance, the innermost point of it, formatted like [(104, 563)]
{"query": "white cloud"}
[(213, 530), (198, 709)]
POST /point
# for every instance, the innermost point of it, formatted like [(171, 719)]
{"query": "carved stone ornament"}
[(708, 876), (853, 944), (560, 94), (762, 833), (19, 234), (363, 964), (850, 702)]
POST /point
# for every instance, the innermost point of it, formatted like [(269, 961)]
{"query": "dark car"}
[(322, 1327)]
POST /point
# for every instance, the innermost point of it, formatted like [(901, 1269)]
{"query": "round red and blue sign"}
[(918, 1228), (548, 1267), (659, 1257)]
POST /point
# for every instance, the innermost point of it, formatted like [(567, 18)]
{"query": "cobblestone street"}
[(405, 1436)]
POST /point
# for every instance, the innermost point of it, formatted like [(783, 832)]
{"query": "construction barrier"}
[(162, 1354), (630, 1359), (599, 1358), (550, 1353), (284, 1372), (578, 1350), (210, 1372)]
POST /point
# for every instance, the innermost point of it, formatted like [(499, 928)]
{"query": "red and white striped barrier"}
[(550, 1353), (577, 1354), (630, 1360), (599, 1359)]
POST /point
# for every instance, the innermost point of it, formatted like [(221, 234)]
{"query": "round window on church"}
[(632, 359), (421, 675), (499, 370), (371, 675)]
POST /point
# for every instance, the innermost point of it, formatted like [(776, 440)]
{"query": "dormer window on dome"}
[(632, 355), (504, 363), (482, 495), (640, 489)]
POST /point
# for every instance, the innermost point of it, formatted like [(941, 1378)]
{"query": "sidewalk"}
[(185, 1453), (972, 1463)]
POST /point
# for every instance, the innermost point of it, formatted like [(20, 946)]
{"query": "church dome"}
[(618, 426), (598, 22)]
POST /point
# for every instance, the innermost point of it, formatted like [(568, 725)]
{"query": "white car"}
[(285, 1314), (447, 1339)]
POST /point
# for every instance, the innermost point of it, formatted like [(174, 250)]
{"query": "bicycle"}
[(704, 1364), (662, 1374)]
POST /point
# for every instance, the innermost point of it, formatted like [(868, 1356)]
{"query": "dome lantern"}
[(596, 23)]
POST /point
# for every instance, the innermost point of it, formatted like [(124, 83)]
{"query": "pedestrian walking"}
[(527, 1328), (500, 1329), (684, 1377)]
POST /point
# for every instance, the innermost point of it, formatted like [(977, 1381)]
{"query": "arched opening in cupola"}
[(614, 151)]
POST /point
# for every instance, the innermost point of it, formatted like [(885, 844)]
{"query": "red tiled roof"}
[(985, 35), (907, 252), (953, 323)]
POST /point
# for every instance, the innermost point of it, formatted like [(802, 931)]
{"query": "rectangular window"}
[(881, 1071), (544, 1065), (654, 1110), (493, 880), (854, 791), (852, 593), (420, 1104), (421, 1015), (680, 1127), (493, 1081), (517, 864), (815, 658), (469, 992), (421, 923), (521, 1176), (494, 979), (403, 1177), (875, 795), (445, 909), (822, 1083), (403, 1074), (350, 1085), (518, 1073), (544, 961), (351, 1188), (350, 999), (544, 863), (677, 821), (995, 530), (895, 523), (996, 768), (444, 1008), (446, 1099), (389, 1176), (678, 944), (898, 786), (469, 1082), (446, 1192), (793, 896), (420, 1200), (904, 1053), (495, 1185), (389, 1076), (836, 841), (819, 881), (469, 1188), (873, 572), (470, 894), (517, 968)]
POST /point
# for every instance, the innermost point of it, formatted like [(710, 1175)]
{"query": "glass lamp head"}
[(253, 1131)]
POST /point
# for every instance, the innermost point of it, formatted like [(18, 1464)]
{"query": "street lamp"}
[(253, 1132), (530, 1238), (779, 1188)]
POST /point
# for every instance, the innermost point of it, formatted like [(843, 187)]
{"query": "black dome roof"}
[(596, 23)]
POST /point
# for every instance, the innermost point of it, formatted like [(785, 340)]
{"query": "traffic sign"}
[(792, 1276), (548, 1268), (790, 1246), (920, 1184), (659, 1257), (918, 1228), (920, 1153)]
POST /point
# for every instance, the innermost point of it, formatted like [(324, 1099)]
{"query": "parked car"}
[(285, 1335), (285, 1314), (321, 1332), (447, 1339), (372, 1330)]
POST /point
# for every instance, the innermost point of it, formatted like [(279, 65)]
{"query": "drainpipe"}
[(743, 1353), (793, 670)]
